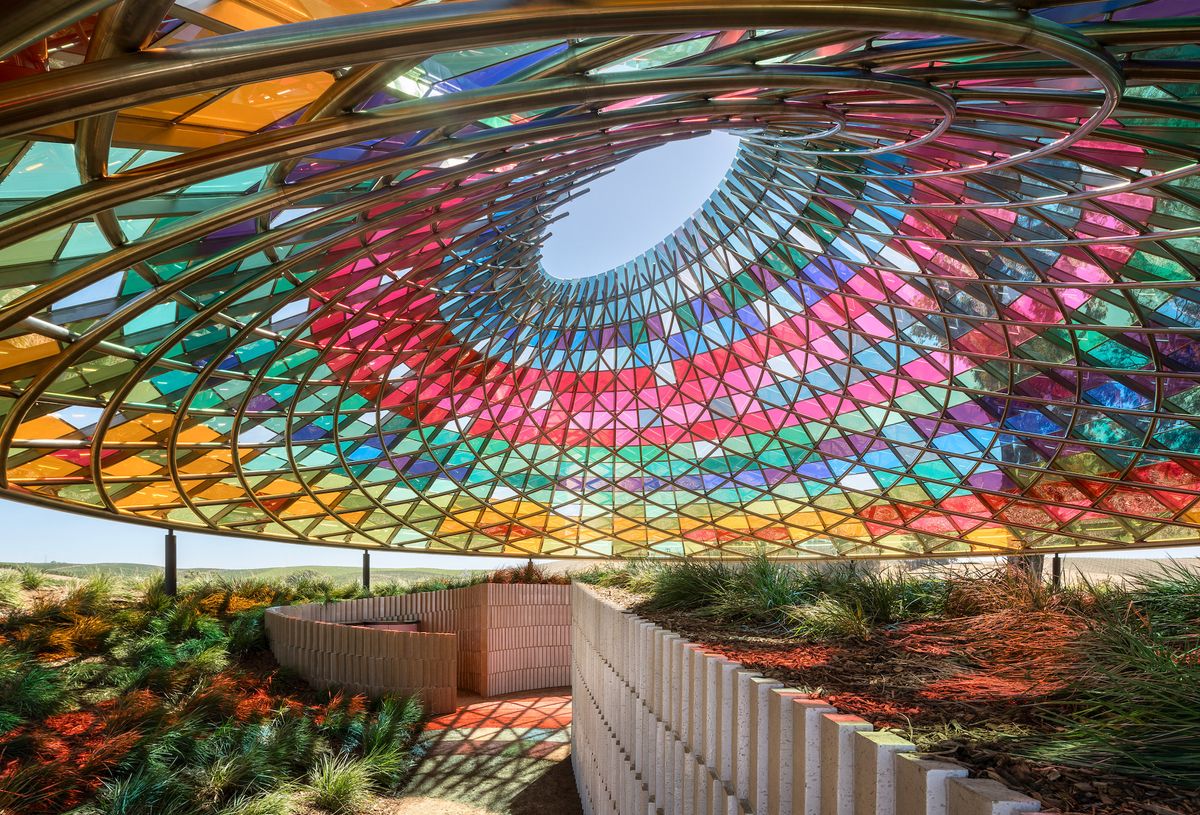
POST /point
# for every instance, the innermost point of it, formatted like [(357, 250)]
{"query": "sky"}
[(625, 213), (638, 204)]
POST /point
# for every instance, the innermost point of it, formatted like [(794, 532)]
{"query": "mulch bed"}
[(957, 687)]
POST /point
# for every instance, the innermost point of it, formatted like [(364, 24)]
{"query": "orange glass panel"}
[(255, 106)]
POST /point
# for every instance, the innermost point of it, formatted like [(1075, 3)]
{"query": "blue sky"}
[(637, 205), (625, 213)]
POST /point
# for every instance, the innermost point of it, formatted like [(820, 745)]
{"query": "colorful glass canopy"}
[(272, 268)]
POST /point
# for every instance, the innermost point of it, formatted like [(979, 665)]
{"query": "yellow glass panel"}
[(46, 467), (251, 107), (236, 14), (250, 14), (26, 348), (210, 462), (130, 468), (140, 429), (46, 427), (170, 109), (280, 486), (331, 8), (302, 507), (198, 434), (219, 492)]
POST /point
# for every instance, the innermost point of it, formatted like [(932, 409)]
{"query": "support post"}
[(366, 570), (170, 572), (1056, 572)]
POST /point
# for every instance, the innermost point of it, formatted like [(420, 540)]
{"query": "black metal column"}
[(170, 572), (1056, 572), (366, 570)]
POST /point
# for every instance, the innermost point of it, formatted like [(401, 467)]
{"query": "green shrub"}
[(829, 618), (1133, 707), (393, 588), (151, 595), (276, 802), (594, 576), (762, 591), (773, 594), (1169, 600), (10, 591), (687, 585), (340, 784), (394, 721), (29, 689), (151, 790), (527, 573), (444, 583), (387, 738), (32, 579), (639, 576), (92, 597), (192, 738), (888, 599), (248, 632), (288, 741), (1000, 589)]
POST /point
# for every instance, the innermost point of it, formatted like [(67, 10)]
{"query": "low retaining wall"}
[(363, 660), (489, 638), (661, 726)]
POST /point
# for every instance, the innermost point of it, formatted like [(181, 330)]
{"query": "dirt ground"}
[(422, 806)]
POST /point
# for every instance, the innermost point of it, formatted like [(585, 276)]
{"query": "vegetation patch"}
[(1087, 698), (115, 700)]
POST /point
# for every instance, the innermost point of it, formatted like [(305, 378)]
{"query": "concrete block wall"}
[(462, 612), (361, 660), (660, 726), (488, 638), (527, 641)]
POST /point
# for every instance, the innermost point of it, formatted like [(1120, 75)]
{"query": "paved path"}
[(508, 754)]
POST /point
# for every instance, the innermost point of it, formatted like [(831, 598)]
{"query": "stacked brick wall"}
[(363, 660), (528, 638), (489, 638)]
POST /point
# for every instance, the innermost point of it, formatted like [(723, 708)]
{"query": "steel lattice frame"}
[(272, 268)]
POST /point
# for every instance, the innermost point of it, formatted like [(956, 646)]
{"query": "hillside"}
[(338, 574)]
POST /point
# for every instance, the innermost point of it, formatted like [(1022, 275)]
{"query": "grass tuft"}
[(1132, 707), (10, 589), (276, 802), (830, 618), (31, 578), (340, 785)]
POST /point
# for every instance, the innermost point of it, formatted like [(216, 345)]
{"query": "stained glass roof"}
[(272, 268)]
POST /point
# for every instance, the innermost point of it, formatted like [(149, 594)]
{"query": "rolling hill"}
[(338, 574)]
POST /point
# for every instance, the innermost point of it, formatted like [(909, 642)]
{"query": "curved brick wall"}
[(363, 660), (660, 726), (489, 638)]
